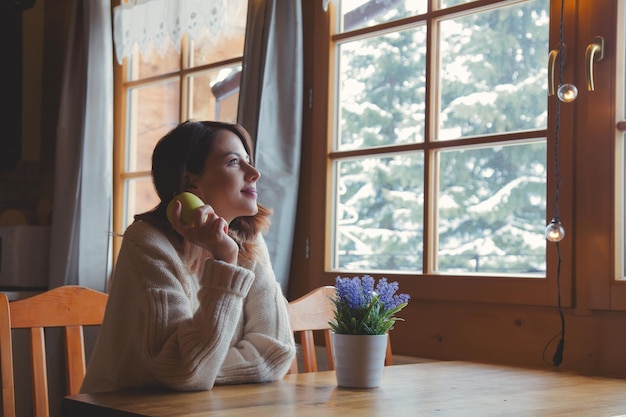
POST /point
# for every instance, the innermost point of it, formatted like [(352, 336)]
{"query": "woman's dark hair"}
[(185, 149)]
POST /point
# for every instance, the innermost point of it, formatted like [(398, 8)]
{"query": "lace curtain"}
[(156, 23)]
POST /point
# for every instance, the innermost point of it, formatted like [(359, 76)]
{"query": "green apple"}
[(190, 202)]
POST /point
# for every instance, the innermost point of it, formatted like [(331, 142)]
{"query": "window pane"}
[(357, 14), (155, 110), (215, 94), (492, 209), (153, 62), (141, 197), (379, 213), (382, 90), (493, 71)]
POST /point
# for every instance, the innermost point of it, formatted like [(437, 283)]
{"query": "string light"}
[(567, 92), (555, 231)]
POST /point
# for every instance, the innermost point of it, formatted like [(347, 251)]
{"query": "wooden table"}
[(427, 389)]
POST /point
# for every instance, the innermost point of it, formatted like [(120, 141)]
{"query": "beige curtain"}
[(270, 107)]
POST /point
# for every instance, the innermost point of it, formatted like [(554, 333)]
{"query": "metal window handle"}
[(552, 68), (594, 53)]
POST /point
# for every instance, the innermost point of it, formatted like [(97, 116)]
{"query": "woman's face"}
[(228, 182)]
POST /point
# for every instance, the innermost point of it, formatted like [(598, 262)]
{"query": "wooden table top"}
[(426, 389)]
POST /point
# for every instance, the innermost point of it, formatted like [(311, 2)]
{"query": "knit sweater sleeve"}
[(267, 348), (193, 350), (183, 348)]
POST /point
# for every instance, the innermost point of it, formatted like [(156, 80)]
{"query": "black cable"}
[(558, 354)]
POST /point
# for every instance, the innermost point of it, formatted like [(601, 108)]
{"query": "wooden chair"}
[(310, 313), (70, 307)]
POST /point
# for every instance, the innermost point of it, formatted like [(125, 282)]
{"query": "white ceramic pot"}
[(359, 359)]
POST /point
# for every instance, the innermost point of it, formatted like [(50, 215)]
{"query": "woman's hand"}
[(208, 231)]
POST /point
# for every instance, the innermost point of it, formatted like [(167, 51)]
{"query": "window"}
[(439, 158), (462, 118), (456, 315), (157, 88)]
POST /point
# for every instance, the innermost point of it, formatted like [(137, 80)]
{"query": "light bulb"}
[(555, 231), (567, 92)]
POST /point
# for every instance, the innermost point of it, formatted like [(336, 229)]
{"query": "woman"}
[(191, 306)]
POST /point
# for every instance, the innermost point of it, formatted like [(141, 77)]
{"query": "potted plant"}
[(364, 313)]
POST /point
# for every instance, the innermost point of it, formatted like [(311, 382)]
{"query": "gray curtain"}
[(270, 108), (81, 216)]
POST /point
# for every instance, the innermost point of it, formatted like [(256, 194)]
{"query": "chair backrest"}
[(70, 307), (310, 313)]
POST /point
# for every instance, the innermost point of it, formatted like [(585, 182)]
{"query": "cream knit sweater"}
[(165, 327)]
